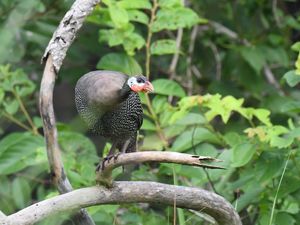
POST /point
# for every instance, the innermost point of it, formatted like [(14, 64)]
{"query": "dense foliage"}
[(225, 83)]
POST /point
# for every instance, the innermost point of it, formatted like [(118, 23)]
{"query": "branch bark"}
[(104, 175), (54, 55), (130, 192)]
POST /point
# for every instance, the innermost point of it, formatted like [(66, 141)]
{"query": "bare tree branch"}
[(2, 216), (172, 68), (54, 55), (104, 176), (271, 78), (65, 34), (130, 192)]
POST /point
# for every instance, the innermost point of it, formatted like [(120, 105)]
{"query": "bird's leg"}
[(123, 150), (108, 157)]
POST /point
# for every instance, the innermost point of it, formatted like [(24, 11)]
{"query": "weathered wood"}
[(130, 192), (104, 174)]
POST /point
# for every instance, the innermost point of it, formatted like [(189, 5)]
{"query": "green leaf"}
[(118, 15), (11, 107), (170, 3), (163, 47), (21, 192), (296, 47), (19, 150), (254, 56), (133, 42), (292, 78), (135, 4), (120, 62), (191, 119), (152, 142), (242, 154), (168, 87), (138, 16), (193, 137), (148, 125), (283, 218), (263, 115), (174, 18)]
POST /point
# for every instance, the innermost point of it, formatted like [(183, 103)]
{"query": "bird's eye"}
[(139, 80)]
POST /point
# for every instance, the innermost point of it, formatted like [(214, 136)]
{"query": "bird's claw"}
[(101, 164)]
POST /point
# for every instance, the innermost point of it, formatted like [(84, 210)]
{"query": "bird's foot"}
[(107, 159)]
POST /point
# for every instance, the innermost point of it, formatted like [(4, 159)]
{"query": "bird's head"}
[(140, 83)]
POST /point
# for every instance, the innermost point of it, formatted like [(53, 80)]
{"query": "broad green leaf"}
[(193, 137), (160, 104), (254, 56), (19, 150), (135, 4), (120, 62), (152, 142), (292, 78), (21, 192), (170, 3), (118, 15), (242, 154), (148, 125), (174, 18), (191, 119), (138, 16), (133, 42), (283, 218), (163, 47), (168, 87)]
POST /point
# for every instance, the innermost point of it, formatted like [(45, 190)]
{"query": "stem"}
[(19, 123), (149, 36), (159, 130), (23, 109), (147, 67)]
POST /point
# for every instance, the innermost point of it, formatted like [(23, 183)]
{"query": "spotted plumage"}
[(108, 102)]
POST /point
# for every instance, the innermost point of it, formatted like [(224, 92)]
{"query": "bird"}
[(109, 103)]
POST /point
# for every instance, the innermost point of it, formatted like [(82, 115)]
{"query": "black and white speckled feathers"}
[(109, 107)]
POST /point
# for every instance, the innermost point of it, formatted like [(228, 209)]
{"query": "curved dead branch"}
[(54, 55), (130, 192)]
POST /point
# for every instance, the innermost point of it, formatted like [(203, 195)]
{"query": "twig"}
[(16, 121), (217, 59), (274, 11), (271, 78), (173, 65), (23, 109), (219, 28), (149, 37), (147, 68), (189, 60), (129, 192), (104, 176)]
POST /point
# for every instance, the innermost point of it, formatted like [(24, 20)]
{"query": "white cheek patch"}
[(132, 81)]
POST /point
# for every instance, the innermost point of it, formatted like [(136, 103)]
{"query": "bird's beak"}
[(148, 87)]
